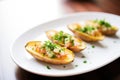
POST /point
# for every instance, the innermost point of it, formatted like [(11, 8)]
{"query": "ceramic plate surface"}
[(103, 52)]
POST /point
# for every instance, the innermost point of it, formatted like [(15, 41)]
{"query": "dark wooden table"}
[(10, 71)]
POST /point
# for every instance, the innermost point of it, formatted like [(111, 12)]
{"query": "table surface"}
[(17, 16)]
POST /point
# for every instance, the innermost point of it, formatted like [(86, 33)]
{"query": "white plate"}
[(104, 52)]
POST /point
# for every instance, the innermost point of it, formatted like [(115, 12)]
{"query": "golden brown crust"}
[(108, 32), (31, 48), (78, 48), (85, 36)]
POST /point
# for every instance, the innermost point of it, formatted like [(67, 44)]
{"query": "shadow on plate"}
[(114, 37), (80, 55)]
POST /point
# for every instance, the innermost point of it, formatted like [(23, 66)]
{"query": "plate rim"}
[(63, 75)]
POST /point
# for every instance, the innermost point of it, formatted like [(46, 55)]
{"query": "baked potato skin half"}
[(32, 46), (108, 32), (104, 27), (78, 46), (89, 38)]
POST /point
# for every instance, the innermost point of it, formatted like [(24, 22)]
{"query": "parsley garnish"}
[(87, 28), (49, 45), (59, 36), (93, 46), (32, 48), (48, 67), (62, 37), (85, 61), (76, 65), (53, 56), (72, 41), (103, 23), (52, 49)]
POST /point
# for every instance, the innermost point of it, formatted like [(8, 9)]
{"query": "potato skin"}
[(74, 48), (84, 36), (78, 48), (108, 32), (63, 60)]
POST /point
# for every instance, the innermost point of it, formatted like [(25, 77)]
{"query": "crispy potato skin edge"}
[(38, 56)]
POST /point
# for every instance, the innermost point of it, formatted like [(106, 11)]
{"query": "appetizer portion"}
[(66, 40), (103, 26), (86, 32), (49, 52)]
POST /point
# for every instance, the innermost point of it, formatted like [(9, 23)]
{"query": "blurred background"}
[(110, 6), (17, 16)]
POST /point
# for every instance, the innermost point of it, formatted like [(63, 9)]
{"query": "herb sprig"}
[(87, 29), (63, 38), (103, 23)]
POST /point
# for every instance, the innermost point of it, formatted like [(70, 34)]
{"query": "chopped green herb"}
[(59, 51), (107, 24), (66, 40), (93, 46), (87, 28), (72, 41), (52, 49), (63, 49), (49, 45), (76, 65), (48, 67), (32, 48), (103, 22), (53, 56), (63, 38), (59, 36), (85, 61)]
